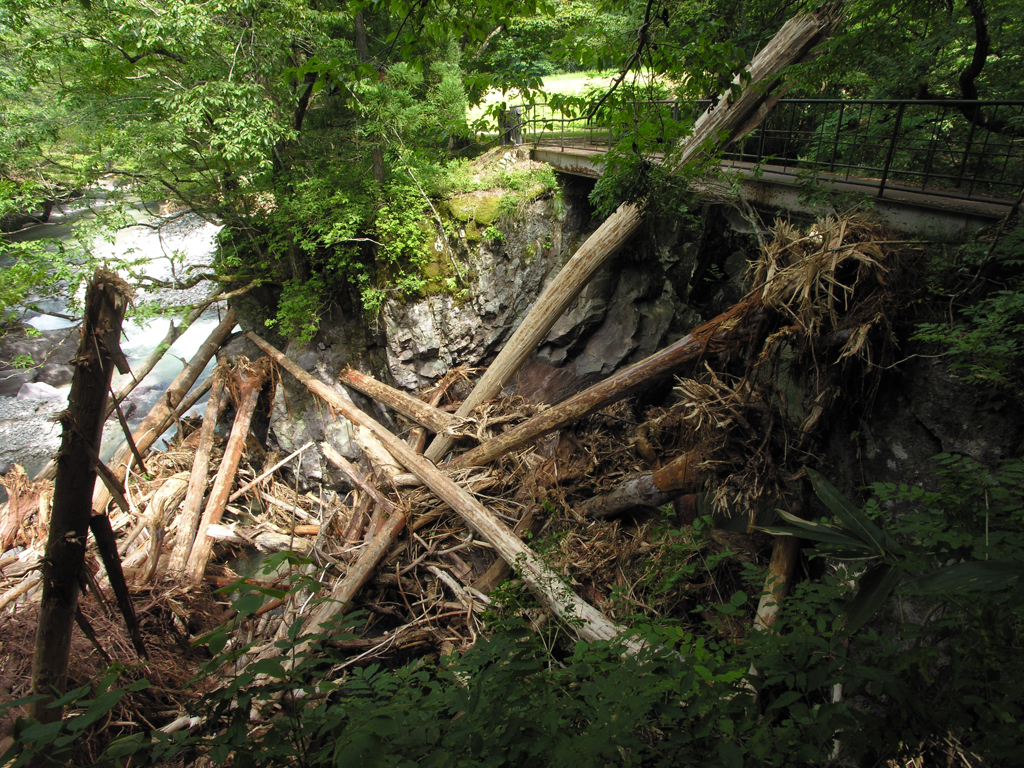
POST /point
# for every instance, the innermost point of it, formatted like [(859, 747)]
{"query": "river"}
[(165, 245)]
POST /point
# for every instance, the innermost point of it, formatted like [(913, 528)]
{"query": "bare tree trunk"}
[(420, 412), (163, 413), (188, 520), (716, 128), (650, 489), (252, 384), (734, 324), (785, 551), (591, 624), (82, 422)]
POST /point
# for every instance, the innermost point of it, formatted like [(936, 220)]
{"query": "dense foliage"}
[(317, 134)]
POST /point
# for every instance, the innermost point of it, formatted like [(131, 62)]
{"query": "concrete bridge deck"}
[(929, 214)]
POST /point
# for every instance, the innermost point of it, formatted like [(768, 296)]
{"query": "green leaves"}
[(965, 578)]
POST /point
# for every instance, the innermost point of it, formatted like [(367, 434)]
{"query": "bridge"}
[(933, 167)]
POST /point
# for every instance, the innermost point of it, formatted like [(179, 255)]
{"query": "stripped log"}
[(719, 126), (531, 522), (105, 303), (651, 489), (591, 624), (738, 322), (380, 538), (418, 437), (361, 508), (785, 552), (253, 378), (164, 413), (418, 411), (174, 332), (188, 520), (161, 508)]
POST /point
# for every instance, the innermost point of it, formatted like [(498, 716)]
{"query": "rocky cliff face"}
[(629, 310)]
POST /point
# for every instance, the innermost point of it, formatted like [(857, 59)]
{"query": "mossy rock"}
[(472, 232), (483, 208)]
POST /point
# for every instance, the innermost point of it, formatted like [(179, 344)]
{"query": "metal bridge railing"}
[(912, 145)]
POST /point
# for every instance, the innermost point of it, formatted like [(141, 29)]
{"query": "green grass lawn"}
[(574, 83)]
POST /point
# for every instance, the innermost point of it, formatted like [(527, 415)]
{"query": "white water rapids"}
[(27, 436)]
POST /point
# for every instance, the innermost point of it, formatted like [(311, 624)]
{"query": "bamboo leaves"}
[(852, 535)]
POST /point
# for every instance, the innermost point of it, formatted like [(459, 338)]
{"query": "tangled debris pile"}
[(421, 550)]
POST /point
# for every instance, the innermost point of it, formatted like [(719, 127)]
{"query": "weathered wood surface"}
[(105, 303), (418, 411), (267, 473), (543, 581), (715, 129), (379, 542), (188, 519), (739, 322), (251, 386), (163, 414), (650, 489), (785, 552)]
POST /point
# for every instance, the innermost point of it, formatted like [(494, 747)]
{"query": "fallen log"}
[(418, 437), (785, 551), (253, 378), (161, 507), (739, 321), (105, 303), (500, 570), (719, 126), (418, 411), (188, 519), (651, 489), (163, 414), (173, 334), (380, 541), (357, 522), (590, 623)]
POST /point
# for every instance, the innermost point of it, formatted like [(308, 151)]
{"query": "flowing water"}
[(167, 247)]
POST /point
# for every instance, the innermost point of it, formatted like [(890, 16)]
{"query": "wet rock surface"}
[(49, 351), (921, 410)]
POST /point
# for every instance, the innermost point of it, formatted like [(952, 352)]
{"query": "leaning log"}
[(163, 413), (188, 520), (591, 624), (253, 379), (739, 322), (82, 422), (650, 489), (174, 332), (380, 540), (418, 411), (719, 126)]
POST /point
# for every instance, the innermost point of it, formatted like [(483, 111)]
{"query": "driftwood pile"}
[(426, 535), (420, 548)]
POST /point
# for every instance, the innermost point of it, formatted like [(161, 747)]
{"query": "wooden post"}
[(716, 128), (105, 303)]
